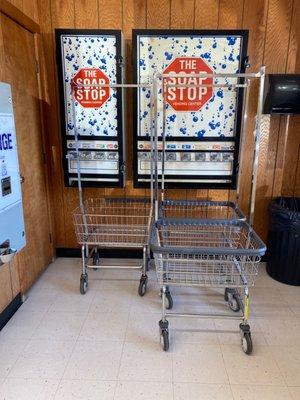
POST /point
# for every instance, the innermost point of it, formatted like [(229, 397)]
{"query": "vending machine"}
[(86, 60), (12, 230), (200, 116)]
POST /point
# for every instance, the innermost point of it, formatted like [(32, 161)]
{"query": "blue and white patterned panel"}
[(217, 116), (90, 51)]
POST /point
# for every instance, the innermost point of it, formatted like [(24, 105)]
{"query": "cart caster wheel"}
[(164, 340), (83, 283), (231, 296), (169, 301), (148, 264), (96, 259), (143, 286), (226, 294), (247, 343), (234, 303)]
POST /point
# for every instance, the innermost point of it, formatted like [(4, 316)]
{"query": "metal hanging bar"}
[(215, 75)]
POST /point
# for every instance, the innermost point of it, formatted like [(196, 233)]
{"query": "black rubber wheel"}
[(96, 259), (169, 301), (247, 345), (148, 264), (83, 284), (164, 339), (143, 285), (234, 303), (142, 288), (226, 294)]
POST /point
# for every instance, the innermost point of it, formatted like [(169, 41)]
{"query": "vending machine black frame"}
[(120, 130), (244, 59)]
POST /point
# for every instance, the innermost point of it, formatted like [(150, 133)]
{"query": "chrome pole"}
[(156, 147), (242, 140), (258, 119), (78, 166), (151, 145), (163, 160)]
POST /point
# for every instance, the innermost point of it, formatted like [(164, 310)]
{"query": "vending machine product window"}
[(202, 124), (86, 60)]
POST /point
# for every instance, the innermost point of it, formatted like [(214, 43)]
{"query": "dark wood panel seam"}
[(18, 16)]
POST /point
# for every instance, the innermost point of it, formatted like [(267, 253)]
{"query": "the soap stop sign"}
[(189, 97), (87, 90)]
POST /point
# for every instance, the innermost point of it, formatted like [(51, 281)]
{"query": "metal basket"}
[(206, 253), (113, 222), (200, 209)]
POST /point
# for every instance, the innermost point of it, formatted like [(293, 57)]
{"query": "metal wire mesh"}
[(200, 210), (113, 222), (206, 255)]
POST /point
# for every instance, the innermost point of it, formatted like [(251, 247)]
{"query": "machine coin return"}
[(6, 186)]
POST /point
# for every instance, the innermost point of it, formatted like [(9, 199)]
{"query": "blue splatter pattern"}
[(78, 52), (216, 118)]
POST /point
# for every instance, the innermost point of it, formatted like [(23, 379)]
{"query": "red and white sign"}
[(185, 98), (90, 96)]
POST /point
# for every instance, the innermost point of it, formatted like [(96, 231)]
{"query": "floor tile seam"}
[(231, 384), (123, 345), (18, 358), (45, 311), (38, 325), (172, 366), (69, 358), (231, 391), (289, 390), (295, 316), (115, 389), (221, 350), (81, 328), (275, 385), (223, 359), (282, 374)]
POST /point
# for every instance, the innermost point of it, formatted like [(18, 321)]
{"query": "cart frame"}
[(231, 295), (207, 253), (246, 82), (86, 252)]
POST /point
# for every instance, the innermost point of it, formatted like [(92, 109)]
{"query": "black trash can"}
[(283, 256)]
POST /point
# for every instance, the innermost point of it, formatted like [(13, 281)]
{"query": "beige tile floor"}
[(104, 345)]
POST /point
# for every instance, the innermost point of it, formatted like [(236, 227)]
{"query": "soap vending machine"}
[(12, 230), (200, 117), (86, 60)]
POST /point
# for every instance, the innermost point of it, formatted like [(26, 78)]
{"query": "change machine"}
[(86, 60), (12, 231), (202, 124)]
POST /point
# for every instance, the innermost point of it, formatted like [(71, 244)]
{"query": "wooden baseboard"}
[(10, 310)]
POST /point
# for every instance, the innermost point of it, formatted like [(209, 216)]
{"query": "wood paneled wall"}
[(274, 41), (28, 7)]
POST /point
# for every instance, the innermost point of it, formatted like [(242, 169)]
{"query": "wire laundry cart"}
[(109, 222), (181, 210), (206, 253), (113, 223), (208, 243)]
